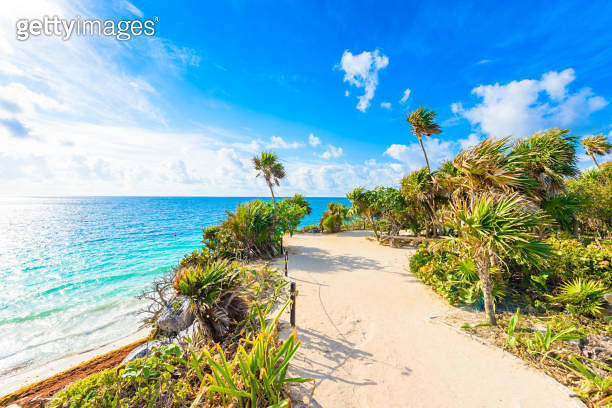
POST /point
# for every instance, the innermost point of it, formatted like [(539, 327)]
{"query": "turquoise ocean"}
[(71, 267)]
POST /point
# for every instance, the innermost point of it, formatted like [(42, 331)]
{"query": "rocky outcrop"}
[(177, 316), (143, 350)]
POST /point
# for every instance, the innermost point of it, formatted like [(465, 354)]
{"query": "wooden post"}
[(293, 304), (286, 264)]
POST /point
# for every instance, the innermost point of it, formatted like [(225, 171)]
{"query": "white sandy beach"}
[(13, 382), (367, 340)]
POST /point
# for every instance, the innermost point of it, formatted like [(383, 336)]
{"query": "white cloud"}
[(332, 152), (412, 155), (131, 8), (472, 140), (277, 142), (484, 61), (406, 95), (346, 93), (385, 105), (521, 108), (313, 140), (362, 71)]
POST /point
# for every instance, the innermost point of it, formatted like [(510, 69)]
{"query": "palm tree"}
[(487, 167), (596, 145), (548, 157), (493, 229), (422, 123), (268, 166), (333, 218)]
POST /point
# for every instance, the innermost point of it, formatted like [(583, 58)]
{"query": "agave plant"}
[(216, 295), (422, 123), (596, 145), (268, 166), (493, 230), (581, 296)]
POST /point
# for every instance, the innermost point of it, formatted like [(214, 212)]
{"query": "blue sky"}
[(326, 86)]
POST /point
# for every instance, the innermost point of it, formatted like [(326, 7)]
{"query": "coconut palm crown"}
[(268, 166), (422, 123), (596, 145)]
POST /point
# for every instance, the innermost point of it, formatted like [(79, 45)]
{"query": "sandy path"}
[(362, 318)]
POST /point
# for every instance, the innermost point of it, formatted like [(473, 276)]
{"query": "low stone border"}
[(577, 402)]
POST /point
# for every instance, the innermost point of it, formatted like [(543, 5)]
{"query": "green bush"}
[(574, 260), (334, 217), (254, 230), (145, 382)]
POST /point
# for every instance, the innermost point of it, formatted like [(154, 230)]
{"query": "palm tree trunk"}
[(486, 283), (272, 192), (424, 152), (593, 157)]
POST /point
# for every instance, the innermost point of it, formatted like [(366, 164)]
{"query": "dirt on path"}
[(368, 342)]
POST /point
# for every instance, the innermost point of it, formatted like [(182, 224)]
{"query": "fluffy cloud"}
[(332, 152), (405, 96), (520, 108), (412, 155), (277, 142), (472, 140), (313, 140), (362, 71), (385, 105)]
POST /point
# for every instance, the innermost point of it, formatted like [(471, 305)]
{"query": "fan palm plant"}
[(547, 158), (487, 166), (596, 145), (422, 123), (494, 229), (268, 166)]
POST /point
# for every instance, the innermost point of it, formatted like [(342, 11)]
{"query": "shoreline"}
[(14, 381)]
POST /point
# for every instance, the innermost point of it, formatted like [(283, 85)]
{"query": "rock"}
[(143, 350), (608, 303), (192, 332), (171, 321), (596, 346)]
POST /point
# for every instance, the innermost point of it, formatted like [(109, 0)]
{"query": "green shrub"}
[(575, 260), (334, 217), (452, 274), (254, 230), (145, 382), (310, 228), (257, 373)]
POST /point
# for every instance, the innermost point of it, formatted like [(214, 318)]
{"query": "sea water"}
[(71, 267)]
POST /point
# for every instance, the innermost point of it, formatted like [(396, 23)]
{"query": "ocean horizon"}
[(72, 266)]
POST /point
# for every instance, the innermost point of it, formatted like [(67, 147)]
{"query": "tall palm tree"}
[(268, 166), (596, 145), (422, 123), (495, 228)]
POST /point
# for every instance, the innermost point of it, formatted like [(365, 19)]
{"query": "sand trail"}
[(367, 340)]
